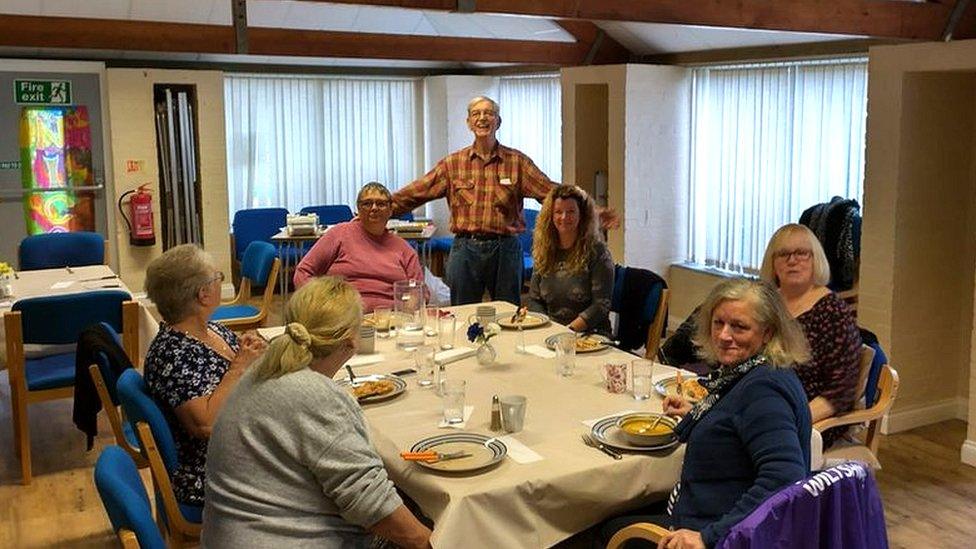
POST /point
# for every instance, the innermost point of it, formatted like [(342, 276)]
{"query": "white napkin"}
[(591, 422), (453, 355), (539, 351), (468, 410), (270, 333), (365, 360), (519, 452), (62, 285)]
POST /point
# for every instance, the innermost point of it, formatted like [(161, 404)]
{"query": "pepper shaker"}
[(496, 414)]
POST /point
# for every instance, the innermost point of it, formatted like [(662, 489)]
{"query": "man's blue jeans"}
[(477, 265)]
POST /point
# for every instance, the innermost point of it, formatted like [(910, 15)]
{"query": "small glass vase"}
[(6, 285), (486, 354)]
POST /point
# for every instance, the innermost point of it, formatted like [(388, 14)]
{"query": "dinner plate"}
[(601, 343), (399, 386), (485, 451), (668, 387), (607, 432), (532, 320)]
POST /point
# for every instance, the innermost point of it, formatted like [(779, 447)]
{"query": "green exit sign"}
[(42, 92)]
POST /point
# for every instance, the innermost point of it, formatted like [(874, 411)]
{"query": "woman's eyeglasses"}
[(801, 254), (219, 276)]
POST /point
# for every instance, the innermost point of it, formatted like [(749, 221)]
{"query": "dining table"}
[(64, 280), (550, 485)]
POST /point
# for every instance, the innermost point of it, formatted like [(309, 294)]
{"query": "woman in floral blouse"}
[(795, 262), (192, 364)]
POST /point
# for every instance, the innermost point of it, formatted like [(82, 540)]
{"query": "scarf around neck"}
[(718, 384)]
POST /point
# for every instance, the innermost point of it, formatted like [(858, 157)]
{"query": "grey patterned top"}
[(564, 295)]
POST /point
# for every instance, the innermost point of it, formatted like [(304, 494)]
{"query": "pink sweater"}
[(370, 263)]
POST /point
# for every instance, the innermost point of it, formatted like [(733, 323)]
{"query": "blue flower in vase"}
[(475, 331)]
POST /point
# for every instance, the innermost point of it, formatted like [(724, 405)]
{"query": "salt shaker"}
[(496, 414)]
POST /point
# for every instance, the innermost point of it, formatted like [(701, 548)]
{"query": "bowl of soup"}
[(645, 429)]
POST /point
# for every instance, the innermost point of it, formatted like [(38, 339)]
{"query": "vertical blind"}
[(769, 141), (531, 107), (295, 141)]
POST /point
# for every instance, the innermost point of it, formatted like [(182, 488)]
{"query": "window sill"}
[(712, 271)]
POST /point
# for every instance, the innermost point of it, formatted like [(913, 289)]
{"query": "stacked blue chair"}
[(55, 250), (330, 214), (258, 224), (124, 498), (156, 439), (56, 320)]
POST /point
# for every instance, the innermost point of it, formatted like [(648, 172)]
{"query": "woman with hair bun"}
[(290, 462)]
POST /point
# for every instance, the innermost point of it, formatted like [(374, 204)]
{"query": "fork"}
[(589, 441)]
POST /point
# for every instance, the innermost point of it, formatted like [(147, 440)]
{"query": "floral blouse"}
[(835, 354), (179, 368)]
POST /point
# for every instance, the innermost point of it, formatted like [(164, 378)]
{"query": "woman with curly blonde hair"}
[(290, 462), (572, 280)]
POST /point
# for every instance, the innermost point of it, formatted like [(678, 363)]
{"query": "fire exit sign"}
[(42, 92)]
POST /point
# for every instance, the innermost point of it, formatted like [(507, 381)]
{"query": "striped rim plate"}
[(606, 431), (485, 451), (399, 386)]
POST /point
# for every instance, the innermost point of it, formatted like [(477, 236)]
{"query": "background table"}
[(520, 505), (82, 279)]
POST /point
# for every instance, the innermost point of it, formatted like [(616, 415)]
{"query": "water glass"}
[(446, 331), (513, 412), (452, 395), (642, 374), (430, 321), (565, 354), (367, 340), (423, 359), (381, 318), (485, 314)]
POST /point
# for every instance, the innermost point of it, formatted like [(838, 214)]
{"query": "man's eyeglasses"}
[(378, 204), (487, 114), (801, 254)]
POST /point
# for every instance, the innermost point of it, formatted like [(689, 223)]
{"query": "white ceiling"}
[(639, 38)]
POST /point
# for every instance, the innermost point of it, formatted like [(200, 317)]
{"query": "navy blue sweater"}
[(753, 442)]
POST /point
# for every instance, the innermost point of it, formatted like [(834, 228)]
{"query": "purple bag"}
[(836, 507)]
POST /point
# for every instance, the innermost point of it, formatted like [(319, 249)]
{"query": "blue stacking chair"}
[(56, 320), (125, 500), (256, 224), (526, 238), (330, 214), (55, 250), (104, 378), (259, 267), (654, 313), (182, 521)]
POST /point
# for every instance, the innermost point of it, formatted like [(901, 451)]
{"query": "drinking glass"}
[(423, 358), (446, 331), (642, 373), (431, 321), (381, 318), (452, 395), (565, 354), (513, 412), (367, 340), (409, 309)]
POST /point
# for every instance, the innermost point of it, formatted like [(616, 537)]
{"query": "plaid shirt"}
[(485, 195)]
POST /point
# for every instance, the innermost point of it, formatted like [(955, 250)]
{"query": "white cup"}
[(513, 412)]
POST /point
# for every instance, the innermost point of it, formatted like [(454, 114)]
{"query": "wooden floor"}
[(929, 496)]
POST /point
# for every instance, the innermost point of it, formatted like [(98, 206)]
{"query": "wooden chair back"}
[(115, 418), (657, 326), (181, 531)]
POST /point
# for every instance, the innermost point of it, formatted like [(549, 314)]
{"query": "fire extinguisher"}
[(140, 218)]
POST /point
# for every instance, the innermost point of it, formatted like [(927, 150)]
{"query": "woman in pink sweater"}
[(363, 252)]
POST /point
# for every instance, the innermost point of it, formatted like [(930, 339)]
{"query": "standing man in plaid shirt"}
[(484, 185)]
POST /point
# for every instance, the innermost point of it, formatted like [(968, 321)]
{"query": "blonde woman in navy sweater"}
[(750, 436)]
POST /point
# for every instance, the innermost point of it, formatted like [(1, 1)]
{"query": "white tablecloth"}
[(81, 279), (520, 505)]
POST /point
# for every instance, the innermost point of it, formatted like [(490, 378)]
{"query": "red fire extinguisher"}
[(140, 218)]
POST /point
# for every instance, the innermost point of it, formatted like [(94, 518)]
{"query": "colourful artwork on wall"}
[(55, 152)]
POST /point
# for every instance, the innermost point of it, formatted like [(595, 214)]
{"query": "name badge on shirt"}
[(505, 181)]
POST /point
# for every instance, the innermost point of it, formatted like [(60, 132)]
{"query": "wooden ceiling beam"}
[(600, 47), (111, 34), (872, 18)]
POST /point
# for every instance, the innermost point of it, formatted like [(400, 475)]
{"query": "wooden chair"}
[(52, 377), (55, 250), (125, 437), (642, 530), (259, 267), (125, 500), (865, 449), (182, 522), (657, 326)]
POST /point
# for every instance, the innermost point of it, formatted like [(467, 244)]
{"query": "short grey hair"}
[(174, 279), (479, 99), (787, 346), (374, 186)]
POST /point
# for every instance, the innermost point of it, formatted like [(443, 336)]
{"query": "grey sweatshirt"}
[(289, 464)]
